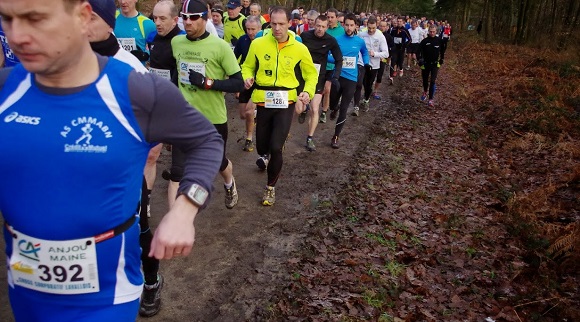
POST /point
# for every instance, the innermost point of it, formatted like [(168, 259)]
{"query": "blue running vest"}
[(72, 168)]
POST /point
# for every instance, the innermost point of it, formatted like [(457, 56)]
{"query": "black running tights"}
[(368, 81), (272, 128), (347, 88), (150, 264), (430, 69)]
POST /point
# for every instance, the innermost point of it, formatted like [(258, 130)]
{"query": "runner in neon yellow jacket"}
[(274, 67)]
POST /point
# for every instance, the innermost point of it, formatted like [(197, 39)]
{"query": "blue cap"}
[(232, 4)]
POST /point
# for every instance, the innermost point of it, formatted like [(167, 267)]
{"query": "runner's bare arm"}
[(175, 234)]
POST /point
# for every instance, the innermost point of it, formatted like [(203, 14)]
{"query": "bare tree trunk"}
[(523, 21), (533, 25), (329, 4), (311, 5), (571, 21), (513, 19), (488, 36), (553, 26), (355, 5), (463, 25)]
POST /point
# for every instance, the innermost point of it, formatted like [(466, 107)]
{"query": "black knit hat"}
[(106, 10), (194, 6)]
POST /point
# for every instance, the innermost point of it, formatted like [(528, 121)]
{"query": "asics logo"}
[(14, 116)]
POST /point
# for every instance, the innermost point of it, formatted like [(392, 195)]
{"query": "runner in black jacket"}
[(319, 43), (401, 39), (161, 57), (429, 60)]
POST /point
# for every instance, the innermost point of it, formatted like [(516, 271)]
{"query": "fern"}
[(566, 244)]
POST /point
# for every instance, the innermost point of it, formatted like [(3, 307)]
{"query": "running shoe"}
[(269, 196), (248, 146), (231, 195), (322, 118), (334, 142), (408, 67), (355, 111), (424, 96), (391, 80), (151, 298), (333, 114), (376, 96), (262, 162), (365, 105), (401, 73), (431, 103), (310, 145)]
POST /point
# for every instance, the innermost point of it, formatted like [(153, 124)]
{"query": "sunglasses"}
[(192, 16)]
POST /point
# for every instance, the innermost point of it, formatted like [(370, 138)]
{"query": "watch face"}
[(200, 195), (197, 194)]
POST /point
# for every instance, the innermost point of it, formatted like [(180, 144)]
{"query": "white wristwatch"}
[(196, 194)]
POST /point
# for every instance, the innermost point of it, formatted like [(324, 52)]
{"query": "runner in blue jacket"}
[(351, 47)]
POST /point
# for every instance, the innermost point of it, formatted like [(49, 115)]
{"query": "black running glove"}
[(196, 79), (141, 55)]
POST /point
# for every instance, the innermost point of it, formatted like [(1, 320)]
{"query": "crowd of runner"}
[(277, 62)]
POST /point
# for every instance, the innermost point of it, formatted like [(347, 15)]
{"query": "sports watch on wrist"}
[(208, 83), (196, 194)]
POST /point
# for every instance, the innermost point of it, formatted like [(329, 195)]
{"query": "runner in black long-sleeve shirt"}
[(401, 38), (319, 43), (429, 50)]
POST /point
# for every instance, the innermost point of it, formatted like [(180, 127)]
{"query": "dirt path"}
[(241, 254)]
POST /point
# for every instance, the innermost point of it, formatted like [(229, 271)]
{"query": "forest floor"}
[(465, 212)]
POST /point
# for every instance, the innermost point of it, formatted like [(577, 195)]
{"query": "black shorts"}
[(320, 84), (413, 48), (178, 157), (245, 95), (329, 74)]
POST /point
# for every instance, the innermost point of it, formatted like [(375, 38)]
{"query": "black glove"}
[(335, 85), (368, 68), (141, 55), (196, 79), (421, 62), (234, 41)]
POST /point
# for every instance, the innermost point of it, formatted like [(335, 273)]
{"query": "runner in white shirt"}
[(416, 37)]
